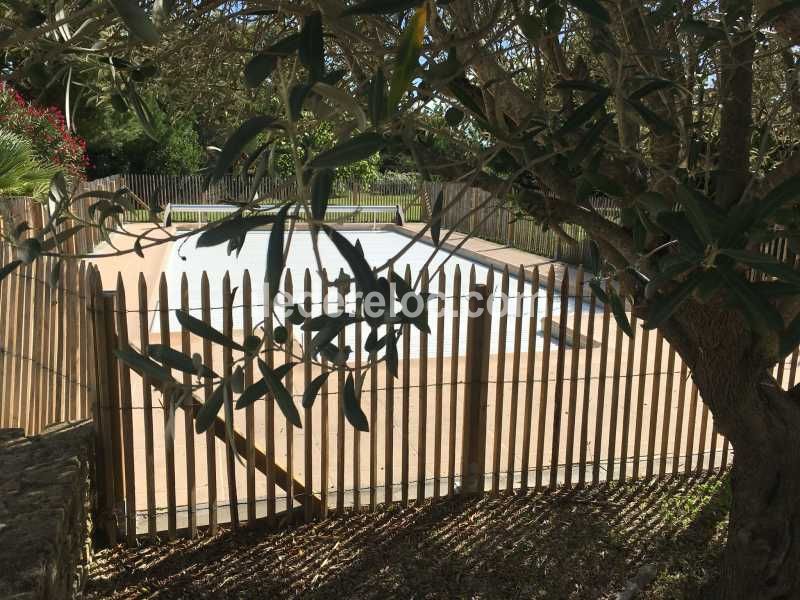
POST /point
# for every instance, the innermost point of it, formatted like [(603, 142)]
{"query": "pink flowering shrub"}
[(46, 128)]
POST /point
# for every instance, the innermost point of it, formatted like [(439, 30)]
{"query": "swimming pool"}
[(379, 247)]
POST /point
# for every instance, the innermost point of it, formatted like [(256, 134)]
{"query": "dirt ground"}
[(566, 544)]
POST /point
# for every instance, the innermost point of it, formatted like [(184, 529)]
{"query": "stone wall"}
[(45, 511)]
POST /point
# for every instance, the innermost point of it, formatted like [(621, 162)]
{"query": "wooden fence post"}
[(473, 451), (104, 465), (510, 225), (113, 425)]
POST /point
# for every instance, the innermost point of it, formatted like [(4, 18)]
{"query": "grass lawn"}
[(410, 204), (566, 544)]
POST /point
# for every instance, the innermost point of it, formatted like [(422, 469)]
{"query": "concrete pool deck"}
[(493, 254), (482, 251)]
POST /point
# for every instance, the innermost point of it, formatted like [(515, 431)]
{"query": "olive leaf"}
[(357, 148), (205, 331), (275, 253), (281, 394), (313, 389), (407, 57), (208, 412), (235, 143), (321, 186), (352, 409)]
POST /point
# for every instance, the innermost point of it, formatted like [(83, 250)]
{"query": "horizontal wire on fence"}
[(434, 385), (6, 352), (398, 390), (47, 283), (331, 303)]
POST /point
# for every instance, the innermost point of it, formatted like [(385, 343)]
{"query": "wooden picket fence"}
[(46, 344), (551, 394)]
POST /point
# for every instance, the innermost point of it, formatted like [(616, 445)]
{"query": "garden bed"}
[(569, 544)]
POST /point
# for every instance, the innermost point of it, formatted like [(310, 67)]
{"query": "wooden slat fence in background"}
[(190, 189)]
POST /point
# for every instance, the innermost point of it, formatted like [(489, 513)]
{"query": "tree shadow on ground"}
[(565, 544)]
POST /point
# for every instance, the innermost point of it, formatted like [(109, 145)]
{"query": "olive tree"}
[(682, 114)]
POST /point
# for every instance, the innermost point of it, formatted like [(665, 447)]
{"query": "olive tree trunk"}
[(762, 557), (762, 422)]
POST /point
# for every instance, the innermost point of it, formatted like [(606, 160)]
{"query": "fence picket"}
[(227, 371), (83, 350), (48, 385), (342, 289), (691, 430), (373, 436), (188, 422), (7, 327), (651, 439), (587, 389), (61, 400), (126, 407), (439, 394), (515, 376), (147, 415), (208, 390), (36, 350), (169, 423), (544, 385), (676, 446), (52, 341), (454, 361), (531, 378), (308, 423), (250, 425), (357, 375), (667, 415), (422, 412), (601, 396), (389, 429), (324, 458), (406, 406), (701, 448), (500, 385), (573, 375), (637, 444), (626, 410), (288, 286), (614, 411), (72, 340), (269, 406), (19, 347), (559, 387), (24, 351)]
